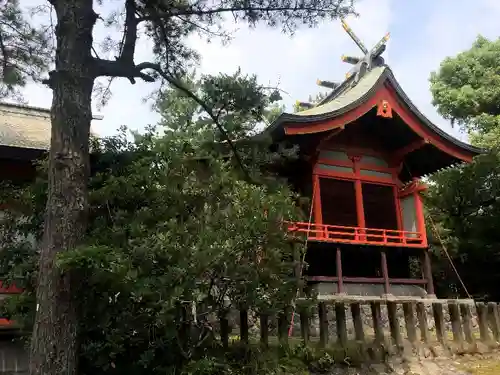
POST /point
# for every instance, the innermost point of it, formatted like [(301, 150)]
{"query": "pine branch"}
[(218, 10), (130, 37), (215, 118), (4, 55)]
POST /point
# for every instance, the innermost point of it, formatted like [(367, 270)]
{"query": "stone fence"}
[(374, 327), (396, 324)]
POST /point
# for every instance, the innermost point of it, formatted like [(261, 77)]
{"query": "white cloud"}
[(450, 27), (421, 37), (296, 62)]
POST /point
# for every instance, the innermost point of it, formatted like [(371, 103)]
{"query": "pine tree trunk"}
[(54, 344)]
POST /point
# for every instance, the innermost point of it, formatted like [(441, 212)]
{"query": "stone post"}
[(494, 319), (284, 322), (467, 322), (244, 326), (304, 325), (224, 328), (323, 324), (377, 322), (482, 318), (437, 310), (411, 327), (394, 325), (456, 324), (264, 330), (340, 319), (358, 322), (422, 322)]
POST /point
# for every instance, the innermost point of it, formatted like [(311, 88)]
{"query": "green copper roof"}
[(347, 94)]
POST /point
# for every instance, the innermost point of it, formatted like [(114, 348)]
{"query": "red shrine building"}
[(364, 150)]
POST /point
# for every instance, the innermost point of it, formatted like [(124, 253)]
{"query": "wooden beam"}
[(399, 155), (419, 213), (333, 133), (352, 176), (415, 186), (358, 190), (318, 215), (366, 280), (388, 94), (385, 272), (397, 206), (349, 164), (339, 270)]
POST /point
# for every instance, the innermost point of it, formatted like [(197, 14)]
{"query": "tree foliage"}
[(235, 102), (312, 99), (25, 51), (464, 205), (77, 66), (466, 89), (171, 220), (463, 202)]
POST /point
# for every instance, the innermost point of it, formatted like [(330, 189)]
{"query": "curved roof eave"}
[(338, 105), (386, 74), (428, 122)]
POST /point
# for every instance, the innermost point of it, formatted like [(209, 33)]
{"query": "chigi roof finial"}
[(371, 58)]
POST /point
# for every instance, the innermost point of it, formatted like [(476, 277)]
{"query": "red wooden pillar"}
[(359, 204), (318, 216), (419, 214), (358, 190), (399, 215), (338, 262), (397, 203)]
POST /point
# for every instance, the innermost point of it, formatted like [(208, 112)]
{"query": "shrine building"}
[(364, 150)]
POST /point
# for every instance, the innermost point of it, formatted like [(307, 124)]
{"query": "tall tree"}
[(170, 220), (466, 90), (55, 337), (463, 201), (25, 50)]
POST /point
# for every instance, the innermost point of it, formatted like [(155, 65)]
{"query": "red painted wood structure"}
[(363, 151)]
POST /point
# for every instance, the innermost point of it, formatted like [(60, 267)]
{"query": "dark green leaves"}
[(466, 89), (169, 222)]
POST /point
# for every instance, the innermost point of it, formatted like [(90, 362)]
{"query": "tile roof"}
[(25, 127)]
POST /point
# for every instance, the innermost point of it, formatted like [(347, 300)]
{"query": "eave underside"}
[(387, 137)]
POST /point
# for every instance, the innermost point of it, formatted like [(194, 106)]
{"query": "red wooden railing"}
[(358, 236), (319, 232)]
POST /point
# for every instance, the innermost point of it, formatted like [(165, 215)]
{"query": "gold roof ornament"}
[(371, 58), (362, 65)]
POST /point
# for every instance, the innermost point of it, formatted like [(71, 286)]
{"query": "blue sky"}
[(423, 33)]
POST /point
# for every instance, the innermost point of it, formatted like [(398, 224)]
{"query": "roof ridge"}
[(344, 86)]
